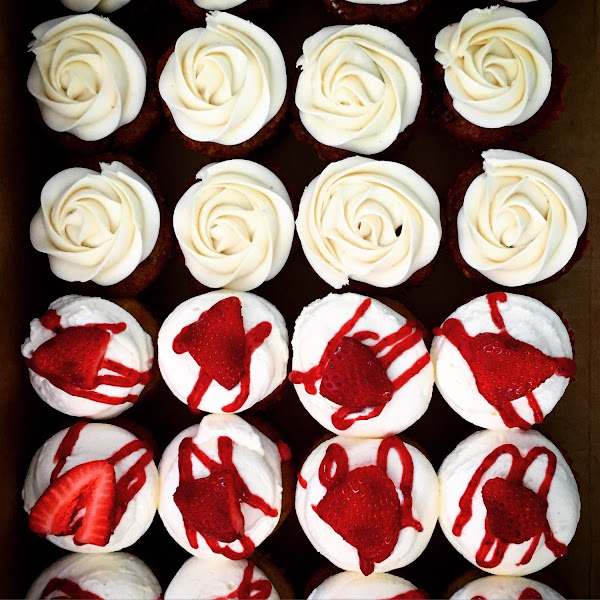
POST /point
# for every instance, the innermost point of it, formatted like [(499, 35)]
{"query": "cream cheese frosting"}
[(497, 587), (111, 576), (319, 322), (525, 319), (349, 586), (372, 221), (200, 579), (235, 226), (497, 66), (225, 81), (563, 503), (103, 6), (257, 461), (88, 78), (362, 453), (96, 441), (218, 4), (96, 226), (131, 347), (521, 219), (359, 88)]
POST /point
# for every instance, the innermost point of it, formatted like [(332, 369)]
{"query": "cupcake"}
[(112, 576), (222, 489), (519, 222), (503, 361), (359, 367), (375, 222), (102, 6), (224, 351), (82, 64), (509, 501), (506, 588), (224, 86), (88, 357), (235, 226), (377, 11), (196, 11), (91, 488), (500, 82), (358, 91), (103, 227), (367, 505)]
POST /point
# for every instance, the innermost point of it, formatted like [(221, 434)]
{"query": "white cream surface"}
[(132, 347), (218, 4), (349, 586), (257, 461), (97, 441), (459, 467), (498, 587), (103, 6)]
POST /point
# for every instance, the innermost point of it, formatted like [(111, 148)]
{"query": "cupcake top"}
[(230, 470), (509, 501), (497, 66), (103, 6), (225, 81), (88, 78), (88, 357), (202, 579), (218, 4), (96, 226), (372, 221), (359, 88), (506, 588), (359, 367), (521, 219), (367, 505), (235, 226), (349, 586), (224, 351), (91, 488)]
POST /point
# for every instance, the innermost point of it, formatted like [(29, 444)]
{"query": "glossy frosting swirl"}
[(521, 219), (88, 78), (224, 82), (498, 66), (359, 88), (235, 226), (103, 6)]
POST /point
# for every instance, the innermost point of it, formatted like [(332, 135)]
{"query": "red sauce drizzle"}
[(302, 481), (505, 368), (284, 451), (411, 595), (67, 590), (530, 594), (248, 589)]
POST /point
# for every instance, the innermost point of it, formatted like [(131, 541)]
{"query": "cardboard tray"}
[(27, 160)]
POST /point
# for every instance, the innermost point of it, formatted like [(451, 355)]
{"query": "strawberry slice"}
[(81, 502), (355, 378), (217, 342)]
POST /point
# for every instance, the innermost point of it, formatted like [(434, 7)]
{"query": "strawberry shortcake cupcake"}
[(499, 587)]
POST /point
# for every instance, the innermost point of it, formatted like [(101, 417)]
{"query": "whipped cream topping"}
[(225, 81), (372, 221), (132, 348), (235, 226), (359, 88), (96, 226), (521, 219), (459, 467), (88, 78), (319, 322), (497, 66), (218, 4), (96, 441), (257, 461), (497, 587), (361, 453), (111, 576), (103, 6), (349, 586), (525, 319), (202, 579)]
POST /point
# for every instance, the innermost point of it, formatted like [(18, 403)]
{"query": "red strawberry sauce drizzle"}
[(398, 342), (411, 595), (74, 357), (519, 367), (230, 479), (67, 590), (515, 516), (248, 589), (526, 594)]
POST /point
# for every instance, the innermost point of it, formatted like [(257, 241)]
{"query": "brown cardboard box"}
[(27, 160)]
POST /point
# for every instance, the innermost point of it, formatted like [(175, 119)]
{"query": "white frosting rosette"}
[(225, 81), (521, 219), (497, 66), (372, 221), (359, 88), (235, 226), (88, 78), (498, 587), (349, 586), (96, 226), (218, 4), (103, 6)]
